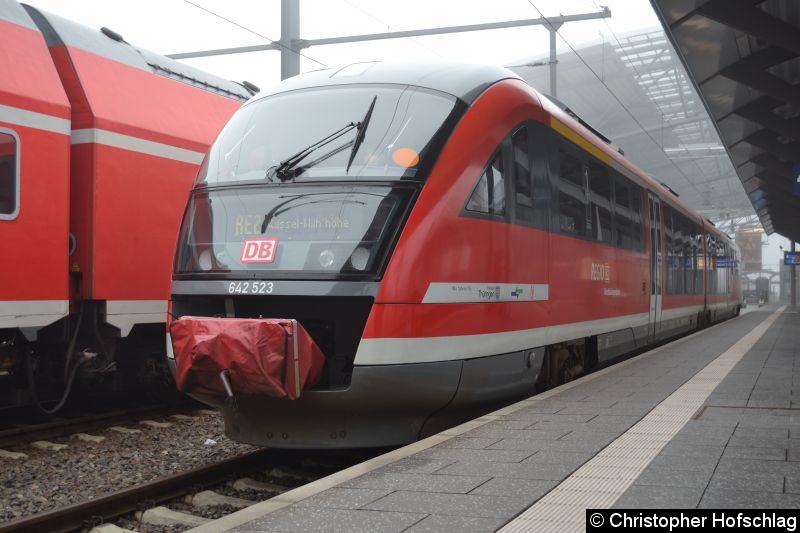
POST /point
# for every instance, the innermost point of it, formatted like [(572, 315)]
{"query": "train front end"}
[(294, 215)]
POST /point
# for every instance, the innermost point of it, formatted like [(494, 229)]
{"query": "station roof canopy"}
[(633, 88), (744, 59)]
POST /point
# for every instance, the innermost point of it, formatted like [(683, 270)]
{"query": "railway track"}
[(107, 508), (190, 497), (61, 427)]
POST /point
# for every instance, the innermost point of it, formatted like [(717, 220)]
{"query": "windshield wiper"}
[(362, 130), (284, 171), (289, 168)]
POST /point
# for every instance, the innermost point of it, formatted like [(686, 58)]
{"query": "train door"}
[(654, 210)]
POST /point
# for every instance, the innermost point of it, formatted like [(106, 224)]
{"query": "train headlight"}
[(204, 261), (360, 258), (326, 258)]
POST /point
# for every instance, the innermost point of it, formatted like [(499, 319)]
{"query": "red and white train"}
[(451, 240), (99, 143)]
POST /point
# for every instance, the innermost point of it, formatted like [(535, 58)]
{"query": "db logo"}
[(258, 250)]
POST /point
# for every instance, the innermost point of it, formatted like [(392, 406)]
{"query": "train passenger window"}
[(711, 262), (686, 254), (523, 192), (623, 216), (680, 259), (9, 179), (600, 196), (670, 252), (697, 246), (636, 217), (688, 258), (571, 195), (724, 268), (677, 251), (489, 195)]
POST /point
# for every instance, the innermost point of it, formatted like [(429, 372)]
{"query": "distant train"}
[(99, 143), (450, 239)]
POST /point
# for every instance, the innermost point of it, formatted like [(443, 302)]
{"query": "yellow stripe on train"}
[(570, 134)]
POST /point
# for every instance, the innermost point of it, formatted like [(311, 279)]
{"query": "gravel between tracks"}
[(82, 471)]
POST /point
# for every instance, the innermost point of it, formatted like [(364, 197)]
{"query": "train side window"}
[(489, 195), (636, 218), (677, 250), (541, 142), (688, 274), (600, 202), (688, 258), (700, 264), (623, 216), (677, 259), (571, 195), (523, 191), (9, 177), (724, 269), (711, 262), (668, 215)]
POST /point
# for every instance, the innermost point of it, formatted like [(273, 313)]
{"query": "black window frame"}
[(529, 218), (597, 171), (502, 151), (544, 147), (15, 180), (623, 212), (560, 184)]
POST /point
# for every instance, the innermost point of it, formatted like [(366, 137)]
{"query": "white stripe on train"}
[(396, 351), (135, 144), (31, 119)]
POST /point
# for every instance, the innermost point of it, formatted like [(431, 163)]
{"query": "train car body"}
[(107, 138), (474, 243), (34, 141)]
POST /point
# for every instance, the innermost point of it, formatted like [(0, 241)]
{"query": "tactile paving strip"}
[(602, 480)]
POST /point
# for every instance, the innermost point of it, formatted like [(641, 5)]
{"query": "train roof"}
[(465, 81), (12, 12), (58, 31)]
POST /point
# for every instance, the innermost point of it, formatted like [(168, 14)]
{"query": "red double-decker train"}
[(450, 239), (99, 143)]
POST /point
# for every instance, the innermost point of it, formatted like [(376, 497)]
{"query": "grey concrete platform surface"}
[(710, 420)]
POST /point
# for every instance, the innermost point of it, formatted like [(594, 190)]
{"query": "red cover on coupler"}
[(272, 357)]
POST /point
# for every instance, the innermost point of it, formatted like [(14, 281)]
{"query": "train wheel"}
[(563, 362)]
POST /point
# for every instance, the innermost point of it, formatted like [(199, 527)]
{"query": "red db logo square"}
[(258, 250)]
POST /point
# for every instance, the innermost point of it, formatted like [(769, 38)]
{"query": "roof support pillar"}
[(553, 28), (290, 36), (793, 270)]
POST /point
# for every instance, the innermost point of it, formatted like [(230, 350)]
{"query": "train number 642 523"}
[(250, 287)]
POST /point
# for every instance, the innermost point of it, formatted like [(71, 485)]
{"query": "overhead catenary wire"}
[(596, 75), (389, 26), (250, 30)]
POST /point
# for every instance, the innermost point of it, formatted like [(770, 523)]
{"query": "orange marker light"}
[(405, 157)]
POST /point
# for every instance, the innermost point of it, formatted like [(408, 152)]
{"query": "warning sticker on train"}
[(258, 251)]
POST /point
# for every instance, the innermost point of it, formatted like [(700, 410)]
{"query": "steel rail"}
[(93, 512), (65, 426)]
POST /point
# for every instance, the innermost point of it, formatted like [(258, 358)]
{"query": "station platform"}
[(711, 420)]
